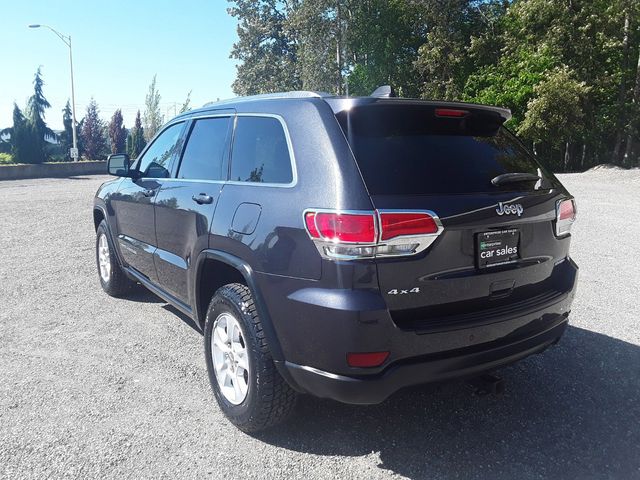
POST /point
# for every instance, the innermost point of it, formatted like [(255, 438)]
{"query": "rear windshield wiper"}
[(515, 177)]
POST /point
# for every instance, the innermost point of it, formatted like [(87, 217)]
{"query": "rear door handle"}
[(202, 199), (148, 192)]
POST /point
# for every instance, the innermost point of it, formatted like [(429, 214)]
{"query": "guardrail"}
[(52, 170)]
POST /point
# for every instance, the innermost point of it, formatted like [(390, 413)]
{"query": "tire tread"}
[(276, 399)]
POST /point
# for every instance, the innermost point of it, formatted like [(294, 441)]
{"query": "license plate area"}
[(498, 247)]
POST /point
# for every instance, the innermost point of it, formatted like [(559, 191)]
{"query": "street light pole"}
[(67, 41)]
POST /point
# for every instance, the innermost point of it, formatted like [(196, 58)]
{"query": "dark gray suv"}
[(342, 247)]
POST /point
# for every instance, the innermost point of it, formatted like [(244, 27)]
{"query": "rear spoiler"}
[(339, 104)]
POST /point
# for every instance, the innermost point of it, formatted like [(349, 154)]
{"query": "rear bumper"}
[(431, 368), (317, 326)]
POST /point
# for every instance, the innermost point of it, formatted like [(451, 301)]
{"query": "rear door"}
[(134, 201), (498, 248), (186, 203)]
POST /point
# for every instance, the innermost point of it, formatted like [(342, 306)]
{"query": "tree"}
[(266, 47), (380, 44), (153, 118), (511, 53), (442, 61), (117, 133), (633, 128), (35, 113), (135, 139), (23, 148), (320, 42), (93, 133), (186, 106), (556, 113), (66, 137)]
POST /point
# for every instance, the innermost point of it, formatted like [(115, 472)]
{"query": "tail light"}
[(565, 216), (405, 223), (347, 228), (367, 234)]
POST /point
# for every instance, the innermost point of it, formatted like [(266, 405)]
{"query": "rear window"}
[(406, 149)]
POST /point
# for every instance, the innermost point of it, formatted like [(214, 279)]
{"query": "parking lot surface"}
[(92, 386)]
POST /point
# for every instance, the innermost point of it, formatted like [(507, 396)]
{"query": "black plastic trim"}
[(366, 390), (267, 325), (183, 307)]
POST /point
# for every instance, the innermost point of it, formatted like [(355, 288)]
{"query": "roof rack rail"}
[(271, 96)]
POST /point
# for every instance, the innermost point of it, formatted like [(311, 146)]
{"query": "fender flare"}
[(247, 273), (116, 246)]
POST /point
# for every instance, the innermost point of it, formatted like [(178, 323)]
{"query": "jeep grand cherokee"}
[(342, 247)]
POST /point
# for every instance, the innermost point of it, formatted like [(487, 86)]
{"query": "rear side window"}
[(204, 155), (260, 153), (406, 149)]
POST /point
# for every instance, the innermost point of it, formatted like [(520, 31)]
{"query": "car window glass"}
[(260, 151), (156, 161), (203, 157), (404, 150)]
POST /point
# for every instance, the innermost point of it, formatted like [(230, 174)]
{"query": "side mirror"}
[(118, 165)]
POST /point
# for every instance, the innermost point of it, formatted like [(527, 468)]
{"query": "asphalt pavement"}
[(95, 387)]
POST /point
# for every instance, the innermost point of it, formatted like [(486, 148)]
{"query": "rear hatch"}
[(498, 253)]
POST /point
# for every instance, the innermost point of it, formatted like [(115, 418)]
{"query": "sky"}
[(118, 46)]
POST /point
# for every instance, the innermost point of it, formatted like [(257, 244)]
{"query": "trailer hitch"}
[(487, 384)]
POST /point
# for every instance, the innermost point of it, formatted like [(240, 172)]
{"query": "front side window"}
[(203, 157), (156, 161), (260, 153)]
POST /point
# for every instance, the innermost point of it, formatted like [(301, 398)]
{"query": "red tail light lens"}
[(565, 216), (369, 359), (346, 227), (451, 112), (566, 211), (402, 224), (310, 220)]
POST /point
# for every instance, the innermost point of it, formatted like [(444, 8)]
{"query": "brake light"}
[(565, 216), (451, 112), (368, 234), (368, 359), (402, 224), (346, 227)]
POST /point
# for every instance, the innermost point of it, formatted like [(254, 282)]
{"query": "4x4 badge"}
[(515, 209)]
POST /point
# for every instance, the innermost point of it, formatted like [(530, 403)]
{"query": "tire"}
[(112, 278), (268, 399)]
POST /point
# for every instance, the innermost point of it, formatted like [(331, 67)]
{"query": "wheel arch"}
[(98, 215), (235, 269)]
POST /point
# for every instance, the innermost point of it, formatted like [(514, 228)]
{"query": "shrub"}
[(5, 159)]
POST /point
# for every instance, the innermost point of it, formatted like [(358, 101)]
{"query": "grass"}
[(6, 159)]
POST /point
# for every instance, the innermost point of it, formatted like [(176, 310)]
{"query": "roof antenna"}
[(383, 91)]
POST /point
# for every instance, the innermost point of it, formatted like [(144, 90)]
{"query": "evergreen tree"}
[(117, 133), (66, 137), (93, 133), (135, 139), (153, 118), (23, 148), (35, 114)]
